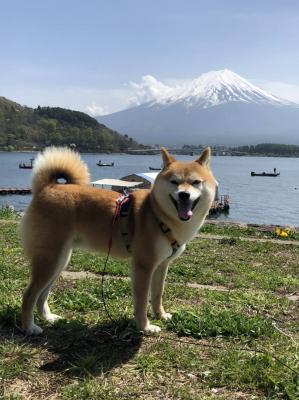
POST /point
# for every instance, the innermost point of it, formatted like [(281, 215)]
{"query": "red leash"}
[(119, 204)]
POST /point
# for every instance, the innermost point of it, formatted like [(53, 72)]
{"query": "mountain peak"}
[(222, 75), (216, 87), (217, 107)]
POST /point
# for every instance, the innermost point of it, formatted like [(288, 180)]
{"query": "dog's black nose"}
[(184, 196)]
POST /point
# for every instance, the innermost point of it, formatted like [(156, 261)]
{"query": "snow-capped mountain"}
[(217, 87), (219, 107)]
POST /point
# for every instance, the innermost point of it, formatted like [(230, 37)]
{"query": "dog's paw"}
[(151, 330), (33, 330), (52, 317), (166, 316)]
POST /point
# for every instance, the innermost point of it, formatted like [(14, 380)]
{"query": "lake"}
[(269, 200)]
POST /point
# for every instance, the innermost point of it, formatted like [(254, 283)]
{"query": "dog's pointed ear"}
[(167, 158), (205, 157)]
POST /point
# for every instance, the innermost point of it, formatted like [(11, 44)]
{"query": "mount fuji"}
[(219, 107)]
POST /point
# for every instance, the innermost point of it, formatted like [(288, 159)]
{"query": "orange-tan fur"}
[(63, 216)]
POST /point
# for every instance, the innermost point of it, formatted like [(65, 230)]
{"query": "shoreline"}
[(244, 225), (213, 222), (158, 151)]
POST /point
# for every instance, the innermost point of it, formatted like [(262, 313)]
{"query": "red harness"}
[(121, 210)]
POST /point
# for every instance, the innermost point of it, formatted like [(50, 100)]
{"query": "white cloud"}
[(130, 95), (150, 89), (95, 110)]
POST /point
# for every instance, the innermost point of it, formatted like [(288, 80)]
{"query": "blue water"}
[(252, 199)]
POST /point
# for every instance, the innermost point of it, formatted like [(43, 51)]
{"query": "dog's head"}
[(184, 189)]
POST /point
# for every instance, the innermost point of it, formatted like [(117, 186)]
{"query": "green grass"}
[(211, 322), (238, 343), (7, 214), (246, 231), (234, 263)]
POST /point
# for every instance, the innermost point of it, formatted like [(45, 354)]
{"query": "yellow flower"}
[(283, 234)]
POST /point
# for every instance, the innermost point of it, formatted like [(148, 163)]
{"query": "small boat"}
[(27, 166), (154, 169), (264, 173), (101, 164)]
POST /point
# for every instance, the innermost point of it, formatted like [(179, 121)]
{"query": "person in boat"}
[(274, 170)]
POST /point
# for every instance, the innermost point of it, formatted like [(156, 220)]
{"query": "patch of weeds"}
[(192, 393), (169, 357), (9, 316), (249, 231), (9, 235), (230, 241), (233, 231), (246, 264), (212, 322), (90, 350), (88, 389), (7, 213), (151, 363), (101, 389), (246, 302), (94, 262), (86, 295), (257, 371), (17, 361), (84, 365)]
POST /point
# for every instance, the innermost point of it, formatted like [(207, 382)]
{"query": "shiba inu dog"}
[(159, 223)]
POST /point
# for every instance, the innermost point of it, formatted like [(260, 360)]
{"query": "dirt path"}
[(77, 275)]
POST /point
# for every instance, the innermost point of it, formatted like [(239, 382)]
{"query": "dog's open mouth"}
[(185, 207)]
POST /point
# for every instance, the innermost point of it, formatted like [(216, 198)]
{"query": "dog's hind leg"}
[(45, 269), (42, 302), (157, 289)]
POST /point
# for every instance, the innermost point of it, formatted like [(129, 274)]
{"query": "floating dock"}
[(220, 206), (19, 191)]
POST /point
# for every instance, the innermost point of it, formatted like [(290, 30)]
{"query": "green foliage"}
[(212, 322), (273, 149), (7, 213), (19, 360), (27, 128)]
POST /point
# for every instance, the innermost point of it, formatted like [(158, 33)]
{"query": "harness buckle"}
[(164, 228)]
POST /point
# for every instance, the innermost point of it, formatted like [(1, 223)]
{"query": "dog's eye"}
[(174, 182), (196, 183)]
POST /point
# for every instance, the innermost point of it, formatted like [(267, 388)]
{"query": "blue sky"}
[(85, 54)]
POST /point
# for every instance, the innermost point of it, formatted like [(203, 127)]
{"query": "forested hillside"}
[(270, 149), (26, 128)]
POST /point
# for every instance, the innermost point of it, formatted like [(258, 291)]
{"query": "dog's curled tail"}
[(58, 163)]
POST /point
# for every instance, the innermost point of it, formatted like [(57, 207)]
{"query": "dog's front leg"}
[(157, 289), (141, 278)]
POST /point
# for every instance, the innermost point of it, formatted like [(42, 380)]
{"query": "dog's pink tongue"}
[(185, 213)]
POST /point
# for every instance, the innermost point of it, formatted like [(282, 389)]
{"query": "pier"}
[(220, 206), (19, 191)]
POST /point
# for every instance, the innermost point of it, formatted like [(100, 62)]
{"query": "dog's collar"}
[(172, 240)]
